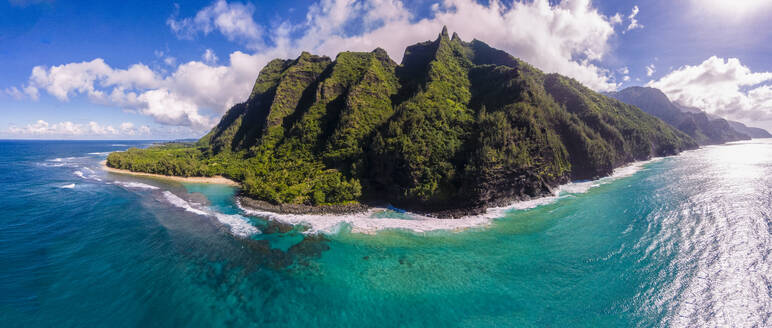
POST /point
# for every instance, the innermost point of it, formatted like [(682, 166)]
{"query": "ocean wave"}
[(69, 186), (101, 153), (372, 221), (136, 185), (367, 222), (237, 223), (119, 145), (91, 175), (181, 203)]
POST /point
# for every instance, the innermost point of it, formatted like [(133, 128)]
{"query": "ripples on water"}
[(685, 242)]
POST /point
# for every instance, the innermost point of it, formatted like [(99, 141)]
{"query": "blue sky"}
[(158, 70)]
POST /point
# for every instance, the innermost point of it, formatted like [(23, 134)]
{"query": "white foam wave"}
[(69, 186), (181, 203), (101, 153), (237, 223), (90, 176), (366, 222), (136, 185), (119, 145)]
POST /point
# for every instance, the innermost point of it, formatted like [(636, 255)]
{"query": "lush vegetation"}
[(456, 125)]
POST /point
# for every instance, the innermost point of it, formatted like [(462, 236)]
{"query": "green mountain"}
[(704, 129), (456, 127)]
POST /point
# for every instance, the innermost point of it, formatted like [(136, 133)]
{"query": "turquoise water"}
[(685, 241)]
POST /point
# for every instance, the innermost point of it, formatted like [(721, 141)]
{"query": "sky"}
[(169, 70)]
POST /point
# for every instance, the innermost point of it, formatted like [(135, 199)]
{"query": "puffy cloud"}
[(233, 20), (44, 128), (64, 80), (570, 38), (176, 99), (633, 21), (721, 86), (97, 129), (170, 109), (67, 128)]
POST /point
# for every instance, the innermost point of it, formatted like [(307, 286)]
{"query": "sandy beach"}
[(212, 180)]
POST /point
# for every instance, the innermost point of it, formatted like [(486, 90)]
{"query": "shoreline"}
[(206, 180), (369, 223)]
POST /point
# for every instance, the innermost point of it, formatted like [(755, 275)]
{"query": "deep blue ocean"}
[(684, 241)]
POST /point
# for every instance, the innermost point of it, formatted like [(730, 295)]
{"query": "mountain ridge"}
[(706, 129), (455, 128)]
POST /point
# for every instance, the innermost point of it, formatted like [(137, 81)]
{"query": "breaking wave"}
[(136, 185), (237, 223), (69, 186), (90, 175)]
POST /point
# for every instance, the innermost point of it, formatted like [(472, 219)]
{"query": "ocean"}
[(683, 241)]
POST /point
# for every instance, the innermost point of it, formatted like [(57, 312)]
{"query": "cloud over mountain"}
[(570, 38), (721, 86)]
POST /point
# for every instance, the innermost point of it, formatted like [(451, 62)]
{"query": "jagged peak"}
[(455, 37), (444, 33)]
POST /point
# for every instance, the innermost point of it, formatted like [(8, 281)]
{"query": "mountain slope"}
[(749, 131), (456, 127), (697, 124)]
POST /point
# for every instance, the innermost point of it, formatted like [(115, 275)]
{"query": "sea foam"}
[(368, 222), (237, 223), (136, 185), (91, 174), (69, 186)]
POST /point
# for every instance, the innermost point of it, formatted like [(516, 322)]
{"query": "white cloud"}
[(42, 128), (14, 92), (64, 80), (626, 78), (171, 61), (143, 130), (209, 57), (233, 20), (633, 21), (97, 129), (650, 69), (170, 109), (616, 19), (570, 38), (721, 86), (624, 70), (175, 99)]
